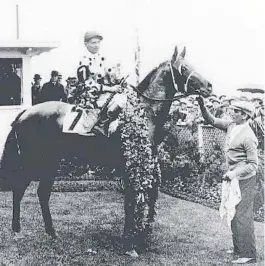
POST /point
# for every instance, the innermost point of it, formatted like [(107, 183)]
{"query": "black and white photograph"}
[(132, 132)]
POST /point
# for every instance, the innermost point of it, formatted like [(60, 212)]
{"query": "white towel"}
[(231, 196)]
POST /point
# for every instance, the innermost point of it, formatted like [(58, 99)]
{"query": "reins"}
[(176, 98), (157, 99)]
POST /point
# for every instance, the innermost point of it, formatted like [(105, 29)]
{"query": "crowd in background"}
[(53, 90), (187, 109)]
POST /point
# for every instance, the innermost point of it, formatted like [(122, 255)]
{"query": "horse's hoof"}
[(15, 228), (132, 253), (52, 234)]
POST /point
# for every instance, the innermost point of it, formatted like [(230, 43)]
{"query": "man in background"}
[(60, 78), (36, 88), (52, 90)]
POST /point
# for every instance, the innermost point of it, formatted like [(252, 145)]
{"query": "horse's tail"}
[(10, 161)]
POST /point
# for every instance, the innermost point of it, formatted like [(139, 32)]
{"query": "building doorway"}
[(10, 81)]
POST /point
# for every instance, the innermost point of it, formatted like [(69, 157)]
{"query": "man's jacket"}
[(52, 92)]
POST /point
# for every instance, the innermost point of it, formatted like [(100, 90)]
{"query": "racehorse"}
[(36, 143)]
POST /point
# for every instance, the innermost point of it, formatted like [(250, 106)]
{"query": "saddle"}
[(87, 121)]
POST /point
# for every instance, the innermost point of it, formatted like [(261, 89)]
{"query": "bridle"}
[(176, 98), (187, 80)]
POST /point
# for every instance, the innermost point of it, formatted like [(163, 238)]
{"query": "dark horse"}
[(36, 143)]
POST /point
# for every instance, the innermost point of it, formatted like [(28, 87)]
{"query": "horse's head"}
[(188, 81), (175, 76), (171, 80)]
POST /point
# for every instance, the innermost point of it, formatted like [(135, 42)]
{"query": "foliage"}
[(214, 166), (142, 168), (137, 148), (73, 169), (83, 186), (182, 158)]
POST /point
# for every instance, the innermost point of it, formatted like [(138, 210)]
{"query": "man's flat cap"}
[(246, 107), (92, 34)]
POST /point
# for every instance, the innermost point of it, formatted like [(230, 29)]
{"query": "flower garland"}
[(142, 165)]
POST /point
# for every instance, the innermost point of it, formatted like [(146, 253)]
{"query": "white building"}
[(15, 79)]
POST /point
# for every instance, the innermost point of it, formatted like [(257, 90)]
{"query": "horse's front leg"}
[(19, 188), (129, 224), (152, 209), (44, 193)]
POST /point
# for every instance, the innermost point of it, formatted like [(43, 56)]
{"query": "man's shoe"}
[(243, 261), (230, 251), (132, 253)]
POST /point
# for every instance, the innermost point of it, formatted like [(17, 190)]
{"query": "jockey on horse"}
[(99, 88)]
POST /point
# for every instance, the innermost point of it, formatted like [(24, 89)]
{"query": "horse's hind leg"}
[(19, 188), (44, 193)]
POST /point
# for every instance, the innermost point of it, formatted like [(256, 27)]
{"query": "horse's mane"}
[(17, 118), (146, 81)]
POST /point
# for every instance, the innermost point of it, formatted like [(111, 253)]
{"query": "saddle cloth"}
[(81, 121)]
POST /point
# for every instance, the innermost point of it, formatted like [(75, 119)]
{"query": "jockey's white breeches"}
[(118, 101)]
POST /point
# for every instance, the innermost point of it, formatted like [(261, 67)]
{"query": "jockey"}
[(106, 79)]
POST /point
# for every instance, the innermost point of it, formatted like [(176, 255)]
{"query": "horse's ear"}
[(175, 55), (183, 53)]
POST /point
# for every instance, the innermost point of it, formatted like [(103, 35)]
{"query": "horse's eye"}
[(184, 68)]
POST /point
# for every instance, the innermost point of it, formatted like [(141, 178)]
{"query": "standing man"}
[(36, 88), (258, 125), (60, 78), (242, 159), (52, 90), (60, 81)]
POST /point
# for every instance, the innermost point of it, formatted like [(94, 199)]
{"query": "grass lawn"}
[(185, 233)]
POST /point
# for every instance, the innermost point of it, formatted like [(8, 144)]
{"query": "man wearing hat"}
[(242, 159), (104, 76), (60, 78), (257, 101), (222, 97), (215, 110), (52, 90), (35, 89), (92, 57), (258, 126)]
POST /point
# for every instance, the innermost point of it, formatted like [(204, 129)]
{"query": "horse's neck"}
[(156, 120), (157, 111)]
